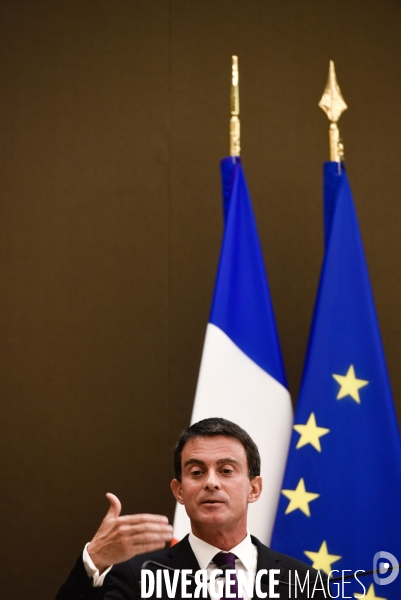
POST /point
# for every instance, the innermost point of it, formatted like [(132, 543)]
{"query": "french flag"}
[(241, 375)]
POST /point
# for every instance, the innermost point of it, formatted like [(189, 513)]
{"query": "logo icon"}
[(383, 561)]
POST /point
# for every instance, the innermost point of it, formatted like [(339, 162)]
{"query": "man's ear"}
[(176, 488), (255, 489)]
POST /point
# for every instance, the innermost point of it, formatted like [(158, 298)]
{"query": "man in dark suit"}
[(217, 474)]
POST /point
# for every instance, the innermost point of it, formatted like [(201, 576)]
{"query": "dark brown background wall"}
[(113, 118)]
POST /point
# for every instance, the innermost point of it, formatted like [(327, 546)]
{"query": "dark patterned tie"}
[(228, 558)]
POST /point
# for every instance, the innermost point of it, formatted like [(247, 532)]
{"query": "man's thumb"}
[(115, 506)]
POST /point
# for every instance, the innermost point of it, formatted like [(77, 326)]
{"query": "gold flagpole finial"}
[(333, 105), (234, 120)]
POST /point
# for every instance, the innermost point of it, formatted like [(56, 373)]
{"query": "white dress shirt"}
[(245, 551), (91, 570)]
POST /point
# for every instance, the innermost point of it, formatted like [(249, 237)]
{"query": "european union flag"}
[(340, 502)]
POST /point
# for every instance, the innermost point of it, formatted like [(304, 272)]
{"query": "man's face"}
[(215, 487)]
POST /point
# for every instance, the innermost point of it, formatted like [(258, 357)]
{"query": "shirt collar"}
[(205, 552)]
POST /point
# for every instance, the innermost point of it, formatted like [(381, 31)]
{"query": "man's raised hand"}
[(120, 538)]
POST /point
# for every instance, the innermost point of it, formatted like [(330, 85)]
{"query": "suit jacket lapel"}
[(267, 561), (180, 557)]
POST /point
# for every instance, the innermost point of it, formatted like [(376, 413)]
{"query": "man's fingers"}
[(148, 547), (114, 508), (138, 524), (145, 518), (163, 530), (144, 531), (146, 534)]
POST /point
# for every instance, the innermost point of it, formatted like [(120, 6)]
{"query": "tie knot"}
[(225, 558)]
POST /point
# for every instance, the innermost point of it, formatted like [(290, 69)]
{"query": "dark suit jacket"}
[(122, 582)]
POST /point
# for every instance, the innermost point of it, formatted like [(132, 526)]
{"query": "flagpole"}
[(235, 147), (333, 105)]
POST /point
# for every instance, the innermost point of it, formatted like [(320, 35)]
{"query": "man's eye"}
[(227, 471), (196, 473)]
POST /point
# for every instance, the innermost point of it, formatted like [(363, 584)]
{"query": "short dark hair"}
[(218, 426)]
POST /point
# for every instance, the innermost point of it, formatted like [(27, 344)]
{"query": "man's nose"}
[(212, 481)]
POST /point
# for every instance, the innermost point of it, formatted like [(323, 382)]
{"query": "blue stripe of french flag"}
[(241, 375)]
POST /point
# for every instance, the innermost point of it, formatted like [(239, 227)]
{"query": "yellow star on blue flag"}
[(299, 498), (322, 560), (370, 594), (310, 433), (350, 385)]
